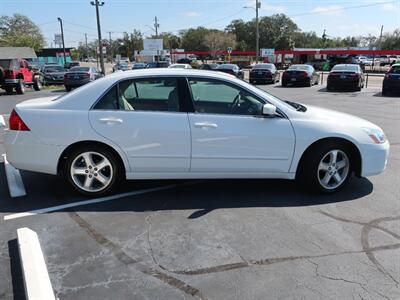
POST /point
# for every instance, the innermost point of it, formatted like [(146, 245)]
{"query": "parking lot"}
[(216, 239)]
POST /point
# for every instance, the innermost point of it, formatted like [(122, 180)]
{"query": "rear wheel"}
[(326, 168), (329, 88), (92, 171), (384, 92), (284, 84), (9, 90), (37, 85), (20, 88), (68, 88)]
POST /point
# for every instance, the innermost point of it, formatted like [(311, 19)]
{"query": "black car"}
[(158, 64), (71, 64), (264, 73), (53, 74), (78, 76), (209, 67), (303, 75), (231, 69), (347, 76), (391, 82)]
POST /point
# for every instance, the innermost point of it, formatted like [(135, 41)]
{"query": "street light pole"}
[(62, 38), (97, 4), (258, 5)]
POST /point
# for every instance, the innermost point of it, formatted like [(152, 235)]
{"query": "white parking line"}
[(92, 201), (15, 185)]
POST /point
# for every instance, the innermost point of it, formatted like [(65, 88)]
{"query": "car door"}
[(25, 71), (142, 116), (229, 133)]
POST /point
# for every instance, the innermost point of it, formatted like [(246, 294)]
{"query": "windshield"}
[(5, 63), (53, 69), (80, 69), (227, 67), (395, 69), (345, 68), (299, 67)]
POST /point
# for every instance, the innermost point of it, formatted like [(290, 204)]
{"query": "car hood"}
[(319, 114)]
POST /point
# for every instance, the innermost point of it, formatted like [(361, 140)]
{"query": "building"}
[(53, 55)]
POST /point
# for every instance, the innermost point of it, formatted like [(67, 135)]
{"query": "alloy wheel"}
[(333, 169)]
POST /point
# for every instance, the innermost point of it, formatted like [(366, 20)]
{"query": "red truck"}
[(17, 74)]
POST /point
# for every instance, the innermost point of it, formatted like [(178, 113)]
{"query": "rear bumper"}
[(374, 158), (298, 81), (76, 83), (344, 83), (391, 86), (25, 151)]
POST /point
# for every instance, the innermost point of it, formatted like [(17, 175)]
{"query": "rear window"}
[(263, 66), (300, 67), (53, 69), (345, 68), (80, 69), (227, 67)]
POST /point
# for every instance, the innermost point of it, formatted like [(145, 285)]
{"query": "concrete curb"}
[(14, 180), (36, 278)]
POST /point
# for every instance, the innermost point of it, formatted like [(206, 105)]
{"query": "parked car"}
[(157, 64), (121, 67), (362, 60), (78, 76), (304, 75), (345, 76), (184, 61), (71, 64), (231, 69), (137, 66), (209, 67), (264, 73), (391, 82), (384, 60), (204, 125), (53, 74), (16, 74), (392, 59), (180, 66)]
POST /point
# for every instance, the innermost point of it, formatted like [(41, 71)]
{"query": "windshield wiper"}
[(297, 106)]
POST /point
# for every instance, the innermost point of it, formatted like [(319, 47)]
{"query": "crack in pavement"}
[(128, 260), (365, 231)]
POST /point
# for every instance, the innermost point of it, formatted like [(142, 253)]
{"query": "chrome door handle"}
[(205, 125), (111, 120)]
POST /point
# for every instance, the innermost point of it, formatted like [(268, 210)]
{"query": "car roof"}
[(396, 65), (165, 72)]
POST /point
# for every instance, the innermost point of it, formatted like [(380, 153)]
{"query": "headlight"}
[(376, 135)]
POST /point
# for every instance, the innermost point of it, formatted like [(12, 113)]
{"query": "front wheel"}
[(92, 171), (326, 169), (37, 85), (20, 88)]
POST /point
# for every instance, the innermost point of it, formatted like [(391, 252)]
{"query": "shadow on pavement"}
[(203, 195), (16, 271)]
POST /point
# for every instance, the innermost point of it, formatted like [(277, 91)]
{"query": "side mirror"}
[(269, 110)]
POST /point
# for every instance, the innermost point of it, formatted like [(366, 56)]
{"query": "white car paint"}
[(180, 66), (178, 145)]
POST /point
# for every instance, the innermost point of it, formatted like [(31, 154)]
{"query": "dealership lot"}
[(222, 239)]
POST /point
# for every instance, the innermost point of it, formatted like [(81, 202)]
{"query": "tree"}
[(391, 40), (20, 31), (218, 40)]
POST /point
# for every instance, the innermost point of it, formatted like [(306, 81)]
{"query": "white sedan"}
[(186, 124), (180, 66)]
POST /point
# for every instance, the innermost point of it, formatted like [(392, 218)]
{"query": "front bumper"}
[(26, 152), (374, 158)]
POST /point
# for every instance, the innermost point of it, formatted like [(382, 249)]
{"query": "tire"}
[(80, 170), (384, 92), (68, 88), (284, 84), (314, 173), (37, 85), (329, 88), (9, 90), (20, 88)]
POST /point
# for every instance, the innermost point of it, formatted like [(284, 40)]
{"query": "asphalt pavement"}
[(216, 239)]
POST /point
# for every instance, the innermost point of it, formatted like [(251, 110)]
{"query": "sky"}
[(340, 18)]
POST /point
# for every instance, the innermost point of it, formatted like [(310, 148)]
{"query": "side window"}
[(153, 94), (217, 97), (110, 100)]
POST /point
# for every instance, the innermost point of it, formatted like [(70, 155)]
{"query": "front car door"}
[(142, 116), (229, 134)]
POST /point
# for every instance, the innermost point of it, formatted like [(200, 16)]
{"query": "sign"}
[(103, 48), (267, 52), (153, 44), (229, 50), (58, 39)]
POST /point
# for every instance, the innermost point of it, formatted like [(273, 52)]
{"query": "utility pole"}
[(258, 5), (86, 47), (62, 38), (110, 41), (380, 38), (156, 25), (97, 4)]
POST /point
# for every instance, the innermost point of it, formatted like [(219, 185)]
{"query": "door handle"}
[(205, 125), (110, 121)]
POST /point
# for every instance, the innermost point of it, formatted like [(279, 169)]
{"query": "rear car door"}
[(142, 116), (229, 134)]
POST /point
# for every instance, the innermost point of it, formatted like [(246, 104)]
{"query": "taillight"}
[(304, 74), (16, 122), (86, 75), (355, 75)]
